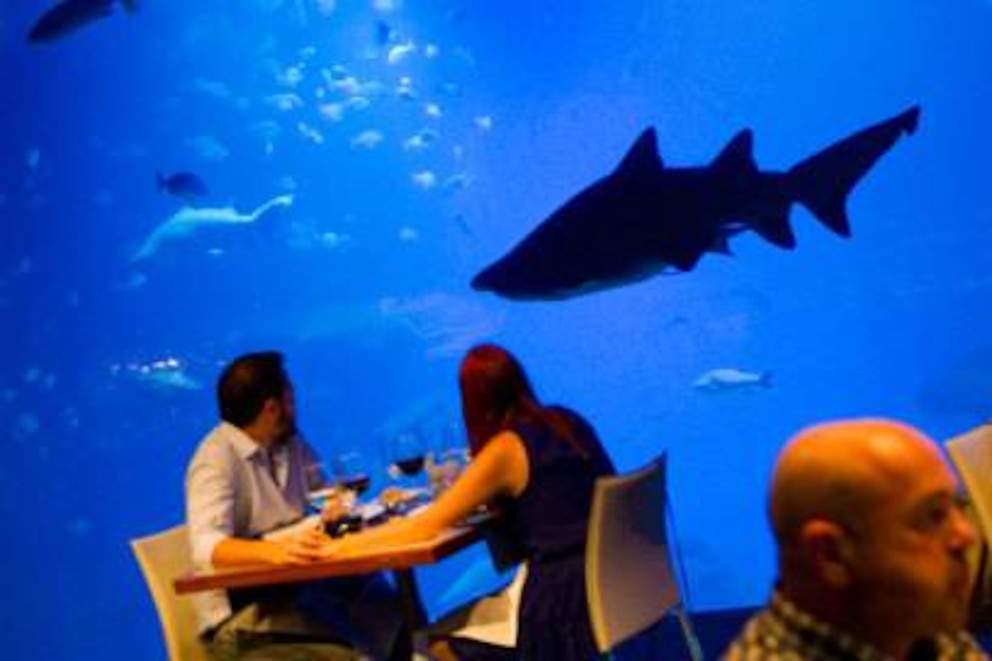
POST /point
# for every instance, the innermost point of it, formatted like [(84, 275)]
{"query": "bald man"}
[(871, 544)]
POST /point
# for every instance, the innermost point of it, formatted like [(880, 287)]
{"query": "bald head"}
[(870, 532), (842, 471)]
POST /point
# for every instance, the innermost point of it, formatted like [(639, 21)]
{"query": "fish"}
[(185, 185), (384, 34), (731, 378), (645, 218), (168, 372), (70, 15), (189, 220)]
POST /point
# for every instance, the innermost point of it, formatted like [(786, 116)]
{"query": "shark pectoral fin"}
[(775, 229), (642, 156), (737, 156), (721, 246), (685, 261)]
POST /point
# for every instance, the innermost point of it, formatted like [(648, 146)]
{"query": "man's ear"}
[(270, 407), (827, 551)]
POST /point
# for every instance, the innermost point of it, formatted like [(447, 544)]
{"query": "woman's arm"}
[(501, 468)]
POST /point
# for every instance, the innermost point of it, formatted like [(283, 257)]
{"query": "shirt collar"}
[(818, 634), (243, 444)]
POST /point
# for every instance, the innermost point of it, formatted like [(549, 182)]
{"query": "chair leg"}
[(691, 640)]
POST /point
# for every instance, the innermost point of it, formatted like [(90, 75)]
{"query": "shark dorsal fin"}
[(642, 155), (738, 155)]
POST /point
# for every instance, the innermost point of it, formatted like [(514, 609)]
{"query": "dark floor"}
[(715, 630)]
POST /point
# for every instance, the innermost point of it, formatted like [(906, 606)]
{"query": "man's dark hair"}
[(245, 385)]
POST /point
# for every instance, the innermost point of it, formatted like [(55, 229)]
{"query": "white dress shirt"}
[(235, 488)]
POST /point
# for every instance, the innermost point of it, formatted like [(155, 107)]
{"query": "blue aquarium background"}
[(419, 141)]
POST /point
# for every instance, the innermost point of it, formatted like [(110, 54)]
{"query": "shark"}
[(71, 15), (646, 218), (189, 220)]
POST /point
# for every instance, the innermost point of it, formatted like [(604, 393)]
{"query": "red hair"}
[(496, 395)]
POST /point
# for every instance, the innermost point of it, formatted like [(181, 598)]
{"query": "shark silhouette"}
[(189, 220), (645, 218)]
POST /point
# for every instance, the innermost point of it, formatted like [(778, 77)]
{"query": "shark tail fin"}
[(276, 202), (765, 379), (823, 182)]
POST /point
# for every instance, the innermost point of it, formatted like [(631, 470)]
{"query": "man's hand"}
[(300, 549), (339, 504)]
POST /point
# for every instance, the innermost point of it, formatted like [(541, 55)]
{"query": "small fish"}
[(357, 103), (310, 133), (285, 101), (290, 77), (420, 140), (369, 139), (730, 378), (384, 35), (457, 182), (167, 373), (405, 90), (207, 147), (185, 185), (332, 112), (71, 15), (425, 179), (400, 52)]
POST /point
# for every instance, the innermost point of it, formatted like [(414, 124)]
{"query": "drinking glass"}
[(405, 455), (350, 472)]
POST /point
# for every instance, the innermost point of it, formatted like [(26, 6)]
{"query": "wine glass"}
[(350, 472), (446, 463), (406, 453)]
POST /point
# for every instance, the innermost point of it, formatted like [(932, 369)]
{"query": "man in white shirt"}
[(249, 476)]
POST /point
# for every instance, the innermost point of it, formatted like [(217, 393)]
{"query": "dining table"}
[(399, 559)]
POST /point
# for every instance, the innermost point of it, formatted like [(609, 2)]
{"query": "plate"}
[(370, 511)]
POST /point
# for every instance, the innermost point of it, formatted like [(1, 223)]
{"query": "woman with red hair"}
[(537, 465)]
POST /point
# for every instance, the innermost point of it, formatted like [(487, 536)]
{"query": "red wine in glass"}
[(411, 465)]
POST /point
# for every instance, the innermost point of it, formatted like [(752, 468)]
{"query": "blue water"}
[(107, 366)]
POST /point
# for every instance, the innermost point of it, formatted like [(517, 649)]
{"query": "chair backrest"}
[(630, 579), (162, 558), (971, 454)]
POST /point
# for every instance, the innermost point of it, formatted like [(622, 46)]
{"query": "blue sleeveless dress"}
[(548, 523)]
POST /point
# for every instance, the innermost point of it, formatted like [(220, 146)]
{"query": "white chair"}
[(631, 580), (492, 619), (971, 454), (163, 557)]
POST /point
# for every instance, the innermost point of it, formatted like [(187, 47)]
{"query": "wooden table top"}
[(360, 561)]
